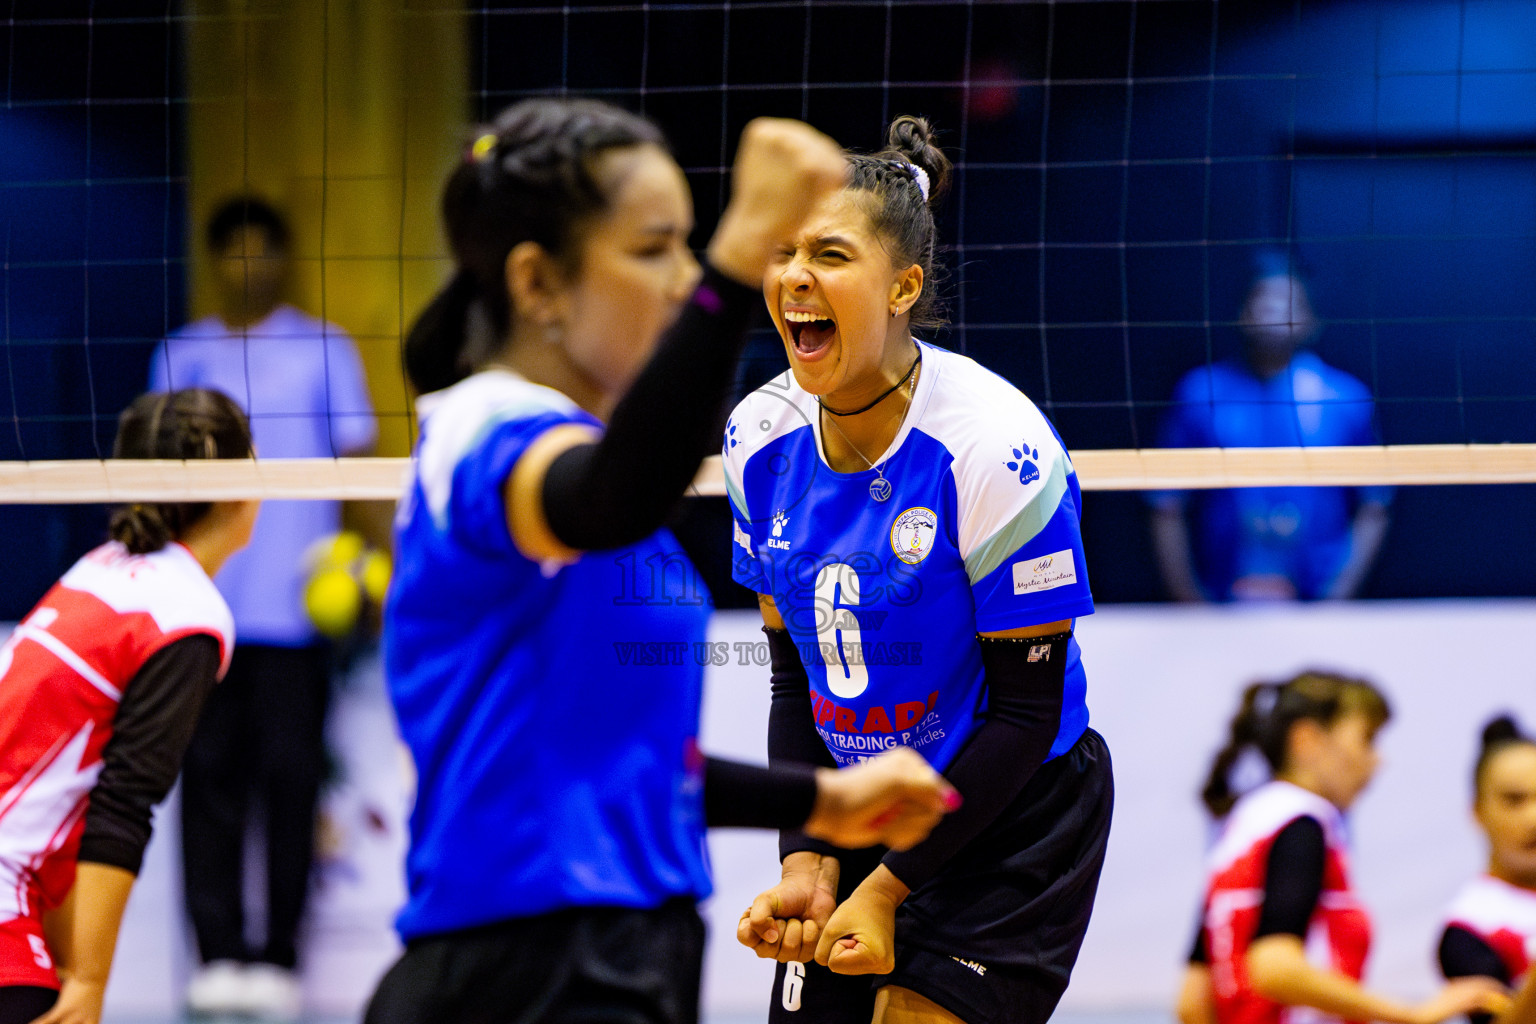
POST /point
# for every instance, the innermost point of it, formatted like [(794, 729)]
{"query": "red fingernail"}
[(953, 800)]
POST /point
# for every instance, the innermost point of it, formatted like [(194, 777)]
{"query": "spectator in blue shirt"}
[(300, 381), (1269, 543)]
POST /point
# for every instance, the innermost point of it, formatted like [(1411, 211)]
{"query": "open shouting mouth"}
[(810, 332)]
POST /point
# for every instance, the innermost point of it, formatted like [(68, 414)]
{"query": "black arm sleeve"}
[(1025, 679), (1293, 879), (622, 488), (1197, 954), (150, 733), (740, 795), (1464, 954), (792, 735)]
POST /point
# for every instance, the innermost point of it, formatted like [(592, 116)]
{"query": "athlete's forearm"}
[(1524, 1009), (1280, 971), (1024, 699), (100, 894)]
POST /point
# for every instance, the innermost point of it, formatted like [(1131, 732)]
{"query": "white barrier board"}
[(1162, 684)]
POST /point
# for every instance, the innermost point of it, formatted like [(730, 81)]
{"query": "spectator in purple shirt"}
[(300, 381)]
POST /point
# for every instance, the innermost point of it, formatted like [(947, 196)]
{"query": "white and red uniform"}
[(1503, 916), (62, 675), (1339, 930)]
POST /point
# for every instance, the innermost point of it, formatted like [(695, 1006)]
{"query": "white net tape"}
[(126, 480)]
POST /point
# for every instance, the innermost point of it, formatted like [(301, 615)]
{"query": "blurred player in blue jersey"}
[(910, 522), (572, 373)]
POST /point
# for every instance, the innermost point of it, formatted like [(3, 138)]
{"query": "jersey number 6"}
[(837, 629)]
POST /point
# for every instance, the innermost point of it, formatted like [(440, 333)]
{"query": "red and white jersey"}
[(1503, 916), (1339, 933), (62, 674)]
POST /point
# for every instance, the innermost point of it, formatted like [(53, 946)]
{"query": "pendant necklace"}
[(879, 487)]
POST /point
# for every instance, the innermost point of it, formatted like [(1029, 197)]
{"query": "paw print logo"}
[(780, 520), (730, 436), (1022, 463)]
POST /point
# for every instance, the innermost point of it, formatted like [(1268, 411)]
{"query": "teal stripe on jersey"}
[(1022, 528)]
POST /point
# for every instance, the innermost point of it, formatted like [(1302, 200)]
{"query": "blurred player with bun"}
[(100, 687), (572, 373), (1281, 928), (909, 520), (1490, 928)]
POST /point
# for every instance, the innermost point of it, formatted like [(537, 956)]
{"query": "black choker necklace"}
[(883, 395)]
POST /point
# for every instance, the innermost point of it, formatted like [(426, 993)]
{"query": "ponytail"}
[(1242, 733), (1267, 713), (140, 528), (438, 340), (195, 423)]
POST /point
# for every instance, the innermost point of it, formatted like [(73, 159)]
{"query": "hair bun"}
[(1501, 730), (914, 138)]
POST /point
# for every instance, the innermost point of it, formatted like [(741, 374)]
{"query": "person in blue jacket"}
[(1269, 543)]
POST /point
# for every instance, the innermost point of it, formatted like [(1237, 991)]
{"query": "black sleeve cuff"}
[(740, 795)]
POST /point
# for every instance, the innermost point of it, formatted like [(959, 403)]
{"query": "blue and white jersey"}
[(552, 710), (884, 599)]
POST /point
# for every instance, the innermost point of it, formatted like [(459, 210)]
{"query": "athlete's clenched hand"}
[(860, 936), (784, 922), (893, 800)]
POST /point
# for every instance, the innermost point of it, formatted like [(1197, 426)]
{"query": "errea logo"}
[(1057, 569)]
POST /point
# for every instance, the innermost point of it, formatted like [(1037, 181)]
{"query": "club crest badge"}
[(913, 533)]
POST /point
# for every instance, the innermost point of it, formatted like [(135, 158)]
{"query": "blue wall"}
[(91, 222)]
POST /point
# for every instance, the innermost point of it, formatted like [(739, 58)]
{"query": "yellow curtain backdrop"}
[(347, 115)]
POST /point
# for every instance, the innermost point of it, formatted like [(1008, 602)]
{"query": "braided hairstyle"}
[(195, 423), (1268, 711), (1499, 735), (531, 175), (902, 216)]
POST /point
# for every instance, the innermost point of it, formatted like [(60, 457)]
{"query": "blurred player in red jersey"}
[(1282, 929), (1490, 927), (100, 687)]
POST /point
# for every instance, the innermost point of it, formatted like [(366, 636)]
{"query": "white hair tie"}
[(921, 177)]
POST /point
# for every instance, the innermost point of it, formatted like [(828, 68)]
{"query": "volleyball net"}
[(1123, 171)]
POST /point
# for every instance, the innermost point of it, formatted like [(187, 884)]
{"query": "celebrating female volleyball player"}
[(550, 700), (1490, 927), (100, 687), (1285, 841), (910, 522)]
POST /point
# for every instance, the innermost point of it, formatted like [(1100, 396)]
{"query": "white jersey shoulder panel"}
[(1010, 472), (168, 585), (455, 419), (1262, 813), (774, 410)]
